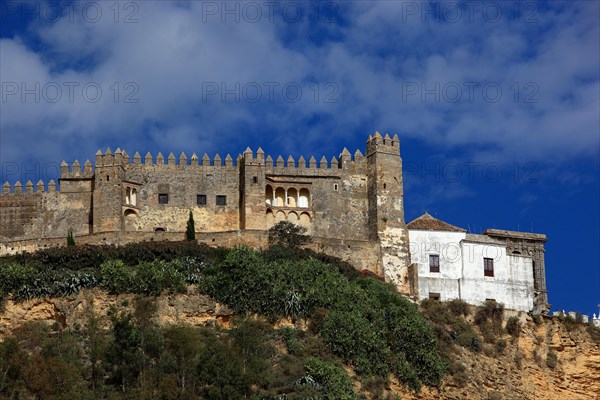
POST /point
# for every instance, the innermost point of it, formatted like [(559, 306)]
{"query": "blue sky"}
[(496, 103)]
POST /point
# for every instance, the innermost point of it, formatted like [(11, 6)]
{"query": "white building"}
[(449, 263)]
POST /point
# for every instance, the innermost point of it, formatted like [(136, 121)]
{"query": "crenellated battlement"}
[(75, 171), (385, 144), (182, 160), (17, 188), (290, 164)]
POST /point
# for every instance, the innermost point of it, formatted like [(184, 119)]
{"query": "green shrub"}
[(465, 336), (500, 346), (458, 307), (333, 381), (151, 278), (287, 234), (459, 374), (469, 340), (513, 327), (15, 275), (116, 277), (405, 373), (351, 336), (437, 312), (489, 312)]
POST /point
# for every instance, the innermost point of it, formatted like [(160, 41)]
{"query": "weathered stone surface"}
[(193, 308)]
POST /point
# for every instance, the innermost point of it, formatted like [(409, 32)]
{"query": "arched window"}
[(304, 198), (279, 197), (128, 196), (134, 197), (292, 197), (269, 195)]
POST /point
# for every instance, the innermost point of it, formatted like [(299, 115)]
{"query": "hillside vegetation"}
[(352, 324), (306, 326)]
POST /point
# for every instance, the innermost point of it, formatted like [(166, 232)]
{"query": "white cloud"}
[(176, 49)]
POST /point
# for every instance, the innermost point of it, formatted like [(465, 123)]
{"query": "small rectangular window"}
[(434, 296), (488, 266), (255, 179), (434, 263), (201, 200), (163, 198), (335, 187), (221, 200)]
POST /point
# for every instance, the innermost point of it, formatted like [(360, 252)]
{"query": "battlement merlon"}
[(39, 187), (387, 144)]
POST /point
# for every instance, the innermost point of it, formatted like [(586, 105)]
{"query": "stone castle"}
[(352, 206)]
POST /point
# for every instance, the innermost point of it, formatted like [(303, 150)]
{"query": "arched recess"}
[(279, 197), (280, 216), (269, 195), (305, 219), (292, 197), (270, 218), (304, 198), (293, 217), (131, 220)]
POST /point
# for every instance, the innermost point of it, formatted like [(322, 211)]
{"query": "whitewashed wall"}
[(512, 283), (461, 270), (448, 246)]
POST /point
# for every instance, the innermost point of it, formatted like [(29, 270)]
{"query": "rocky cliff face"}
[(523, 369), (192, 308)]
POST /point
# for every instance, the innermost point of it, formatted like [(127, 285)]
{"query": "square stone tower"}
[(107, 198), (386, 207)]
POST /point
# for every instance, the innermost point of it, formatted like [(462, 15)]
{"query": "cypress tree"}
[(190, 232)]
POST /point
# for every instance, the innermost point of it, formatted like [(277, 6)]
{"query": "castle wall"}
[(30, 215), (359, 253), (183, 184)]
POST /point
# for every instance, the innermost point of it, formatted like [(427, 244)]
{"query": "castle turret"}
[(386, 206), (108, 196), (252, 190)]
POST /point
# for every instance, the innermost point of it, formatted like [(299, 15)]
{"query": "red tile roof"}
[(428, 223)]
